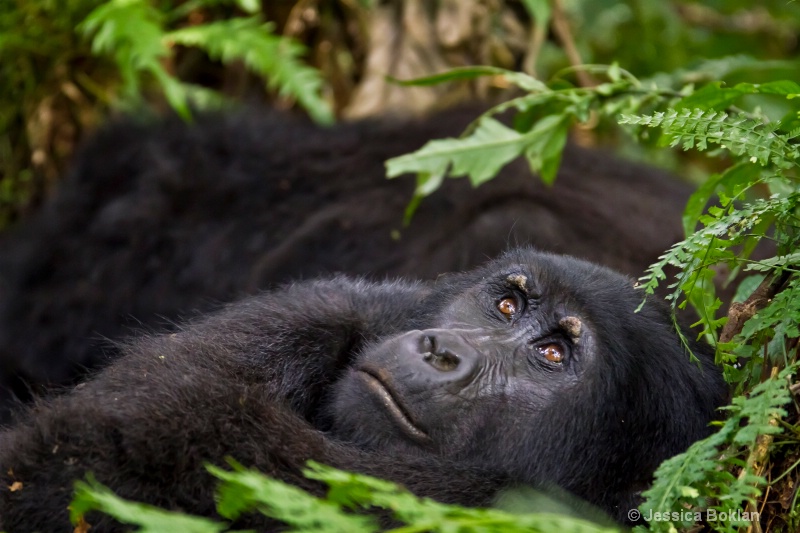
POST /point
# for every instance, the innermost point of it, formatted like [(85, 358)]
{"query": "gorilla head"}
[(532, 370), (537, 365)]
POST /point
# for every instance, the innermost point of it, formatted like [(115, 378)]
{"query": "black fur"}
[(161, 220), (303, 372)]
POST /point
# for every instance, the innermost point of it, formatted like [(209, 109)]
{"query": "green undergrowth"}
[(242, 491)]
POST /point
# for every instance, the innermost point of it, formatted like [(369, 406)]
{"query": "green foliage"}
[(653, 36), (38, 48), (539, 134), (131, 31), (725, 227), (730, 230), (547, 111), (134, 34), (697, 128), (703, 477), (772, 326), (482, 153), (757, 197), (92, 496), (243, 491), (64, 63), (274, 57)]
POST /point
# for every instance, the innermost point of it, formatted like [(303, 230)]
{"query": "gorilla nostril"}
[(441, 360)]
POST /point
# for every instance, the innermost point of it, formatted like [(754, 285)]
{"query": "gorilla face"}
[(506, 350)]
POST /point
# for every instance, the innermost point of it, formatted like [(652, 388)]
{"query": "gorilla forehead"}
[(561, 271), (554, 281)]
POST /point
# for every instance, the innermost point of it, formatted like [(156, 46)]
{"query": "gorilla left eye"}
[(552, 352), (507, 306)]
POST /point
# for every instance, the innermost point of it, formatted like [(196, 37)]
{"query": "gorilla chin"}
[(533, 370)]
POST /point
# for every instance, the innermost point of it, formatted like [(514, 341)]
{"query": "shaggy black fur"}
[(453, 388), (161, 220)]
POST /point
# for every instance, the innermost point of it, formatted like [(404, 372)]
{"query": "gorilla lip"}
[(396, 409)]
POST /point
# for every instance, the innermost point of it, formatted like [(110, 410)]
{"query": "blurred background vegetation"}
[(65, 65)]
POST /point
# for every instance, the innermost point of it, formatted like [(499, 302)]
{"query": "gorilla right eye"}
[(507, 306), (552, 352)]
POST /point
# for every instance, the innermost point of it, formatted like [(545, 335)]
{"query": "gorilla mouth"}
[(396, 409)]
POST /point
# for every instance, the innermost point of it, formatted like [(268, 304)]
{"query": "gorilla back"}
[(159, 220), (531, 370)]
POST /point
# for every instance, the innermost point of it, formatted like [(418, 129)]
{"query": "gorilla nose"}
[(448, 353), (439, 357)]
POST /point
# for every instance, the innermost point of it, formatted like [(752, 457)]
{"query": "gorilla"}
[(532, 370), (157, 221)]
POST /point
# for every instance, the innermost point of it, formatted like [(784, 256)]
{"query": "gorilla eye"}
[(552, 352), (507, 306)]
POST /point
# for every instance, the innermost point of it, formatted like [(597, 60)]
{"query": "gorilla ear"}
[(572, 326)]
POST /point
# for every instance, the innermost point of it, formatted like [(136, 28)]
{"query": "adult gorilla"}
[(533, 369), (159, 220)]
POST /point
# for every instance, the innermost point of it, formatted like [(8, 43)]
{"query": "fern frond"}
[(130, 31), (696, 128), (695, 478), (793, 134), (782, 313), (723, 228), (275, 57)]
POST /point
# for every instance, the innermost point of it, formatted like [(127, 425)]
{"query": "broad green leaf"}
[(528, 102), (244, 490), (520, 79), (785, 87), (746, 287), (249, 6), (712, 96), (540, 11), (547, 140), (93, 496), (614, 72), (479, 156)]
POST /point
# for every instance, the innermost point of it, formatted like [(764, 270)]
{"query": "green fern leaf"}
[(701, 477), (131, 32), (697, 128), (92, 496), (274, 57)]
